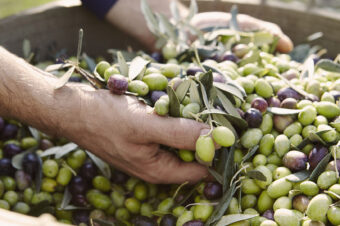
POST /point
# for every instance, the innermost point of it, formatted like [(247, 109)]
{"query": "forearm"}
[(127, 15), (29, 96)]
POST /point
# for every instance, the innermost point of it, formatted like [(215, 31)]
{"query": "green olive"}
[(281, 145), (279, 188), (156, 81), (205, 149), (185, 217), (28, 142), (64, 176), (186, 155), (333, 215), (11, 197), (162, 107), (101, 183), (307, 115), (122, 214), (21, 207), (267, 123), (327, 179), (318, 207), (139, 87), (76, 159), (233, 207), (309, 188), (282, 202), (170, 70), (250, 187), (251, 137), (266, 144), (263, 88), (98, 199), (101, 67), (48, 184), (285, 217), (133, 205), (50, 168), (109, 72), (223, 136), (203, 212), (265, 202), (327, 109), (140, 191), (190, 110)]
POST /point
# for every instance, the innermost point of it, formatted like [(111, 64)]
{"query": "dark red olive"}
[(212, 190), (78, 185), (229, 56), (143, 221), (119, 177), (192, 70), (269, 214), (253, 117), (282, 121), (2, 124), (316, 155), (157, 56), (273, 102), (155, 95), (9, 132), (6, 168), (288, 92), (218, 78), (168, 220), (295, 161), (11, 150), (260, 104), (194, 223), (88, 170), (290, 74), (300, 203), (79, 200), (45, 144), (80, 216), (30, 163), (118, 84), (289, 103)]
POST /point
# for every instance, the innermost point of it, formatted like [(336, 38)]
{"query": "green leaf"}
[(149, 17), (38, 176), (250, 57), (192, 10), (166, 26), (65, 149), (72, 207), (308, 68), (64, 79), (298, 176), (274, 44), (102, 166), (233, 21), (237, 122), (283, 111), (194, 94), (66, 199), (137, 65), (316, 136), (328, 65), (35, 133), (80, 43), (232, 218), (263, 38), (250, 153), (229, 168), (175, 11), (26, 48), (89, 61), (174, 105), (255, 174), (216, 175), (222, 205), (56, 67), (204, 96), (123, 66), (213, 111), (40, 208), (227, 105), (229, 89), (182, 90), (17, 159), (101, 222), (314, 36), (320, 167)]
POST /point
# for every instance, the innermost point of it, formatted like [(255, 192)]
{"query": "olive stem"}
[(179, 188), (332, 193), (237, 173), (335, 162)]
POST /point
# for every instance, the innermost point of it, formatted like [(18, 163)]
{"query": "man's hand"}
[(246, 23)]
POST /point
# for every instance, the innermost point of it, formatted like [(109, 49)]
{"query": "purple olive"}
[(269, 214), (79, 200), (75, 79), (273, 102), (9, 132), (260, 104), (22, 179), (229, 56), (88, 170), (282, 121), (194, 223), (290, 74), (336, 94), (118, 84), (253, 118), (289, 103), (119, 177), (168, 220), (155, 95), (30, 163), (2, 124), (143, 221), (45, 144), (300, 203), (78, 185), (316, 155), (157, 56), (11, 150), (6, 167), (213, 190), (288, 92), (295, 161), (80, 216), (192, 70), (218, 78)]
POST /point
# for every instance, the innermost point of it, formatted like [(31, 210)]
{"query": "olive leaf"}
[(237, 122), (40, 208), (175, 11), (308, 68), (227, 105), (89, 61), (137, 65), (35, 133), (320, 168), (167, 27), (212, 111), (193, 9), (283, 111), (216, 175), (293, 86), (256, 174), (328, 65), (64, 79), (66, 199), (26, 48), (204, 96), (250, 153), (251, 57), (150, 18), (189, 194), (174, 105), (232, 218), (222, 205), (17, 159), (102, 166), (229, 168), (224, 122), (206, 80), (65, 149), (229, 89), (182, 90), (316, 136), (262, 38), (123, 66), (38, 176), (101, 222), (303, 143), (233, 21), (314, 36), (56, 67), (298, 176), (194, 94), (274, 44), (72, 207)]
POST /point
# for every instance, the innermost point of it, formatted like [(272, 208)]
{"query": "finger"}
[(166, 168), (174, 132), (285, 44)]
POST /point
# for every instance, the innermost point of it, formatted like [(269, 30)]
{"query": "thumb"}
[(285, 44)]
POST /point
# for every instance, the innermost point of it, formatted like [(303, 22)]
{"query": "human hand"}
[(246, 23), (127, 134)]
